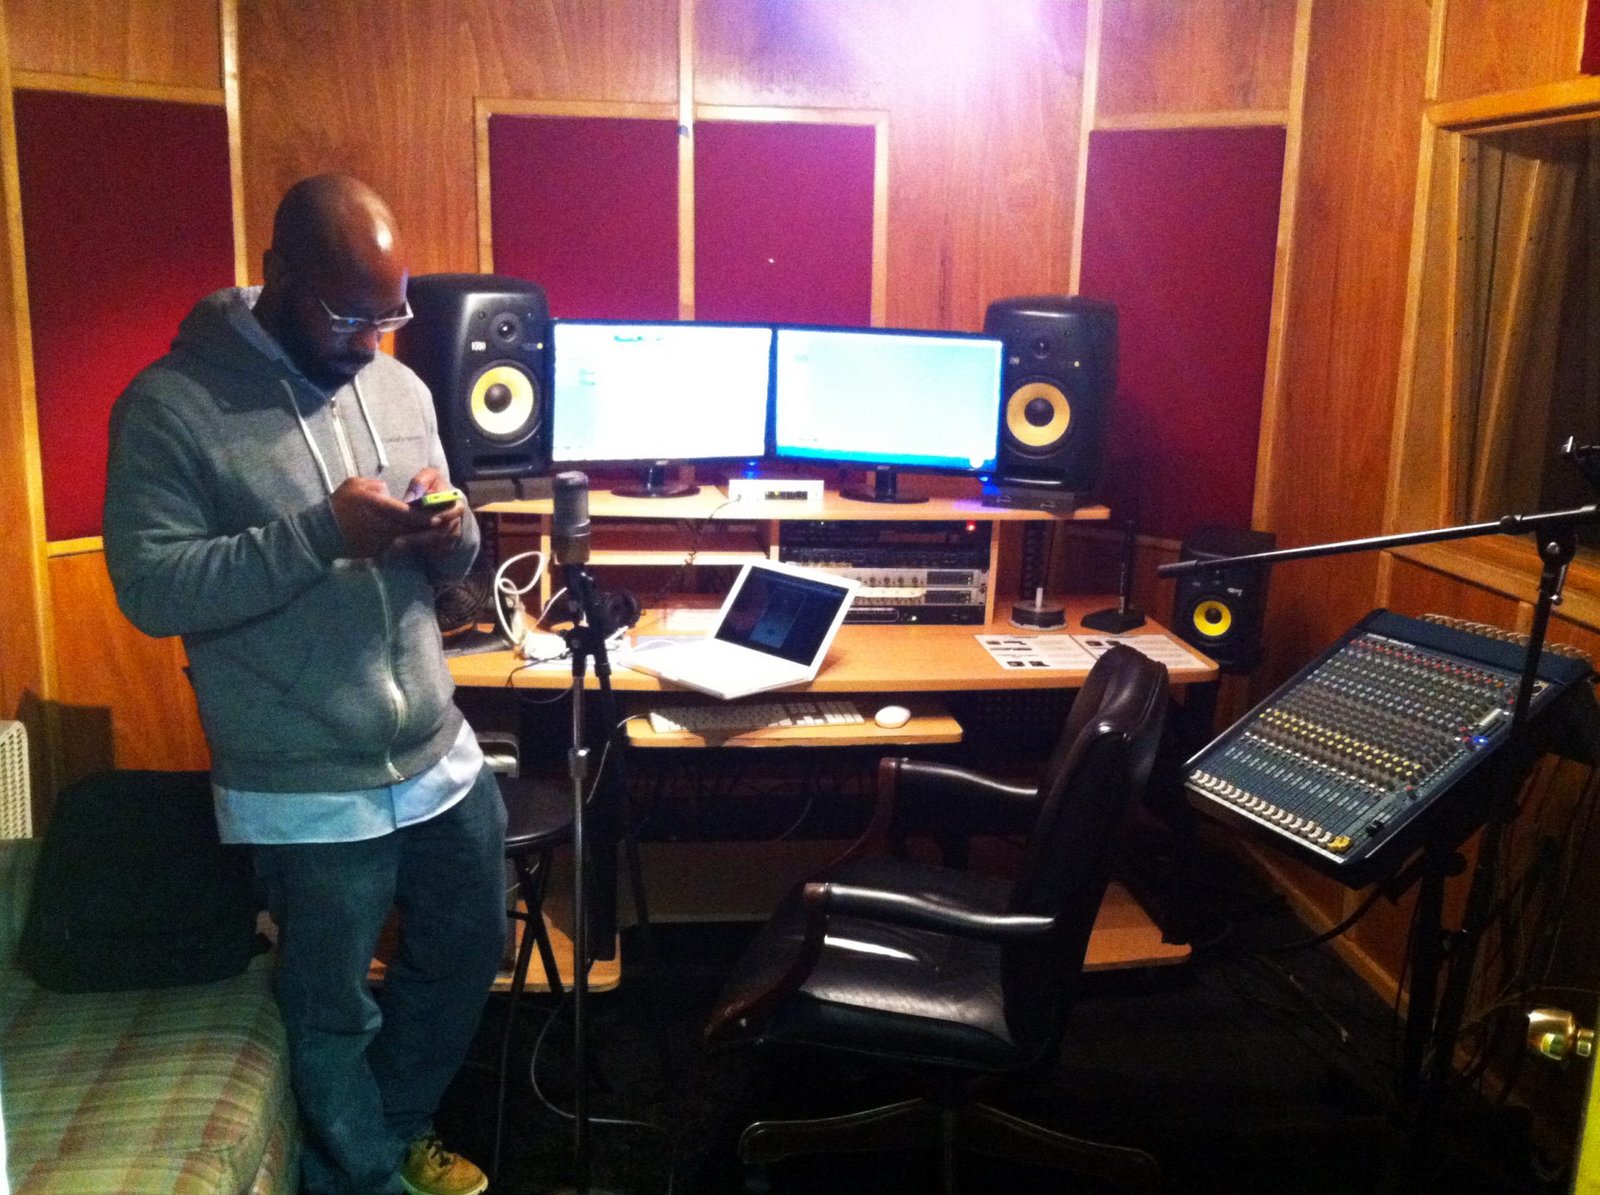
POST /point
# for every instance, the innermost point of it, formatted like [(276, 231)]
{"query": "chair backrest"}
[(1097, 770)]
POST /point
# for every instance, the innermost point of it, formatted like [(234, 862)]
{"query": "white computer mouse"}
[(891, 716)]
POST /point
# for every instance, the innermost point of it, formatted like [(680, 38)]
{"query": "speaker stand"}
[(1024, 495), (654, 484), (481, 491), (885, 488)]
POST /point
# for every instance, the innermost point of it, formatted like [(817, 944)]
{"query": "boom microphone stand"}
[(1431, 1017)]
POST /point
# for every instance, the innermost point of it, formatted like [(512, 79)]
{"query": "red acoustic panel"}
[(783, 222), (587, 207), (1180, 232), (127, 218)]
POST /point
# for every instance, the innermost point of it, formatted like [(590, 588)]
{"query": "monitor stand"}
[(885, 488), (654, 484)]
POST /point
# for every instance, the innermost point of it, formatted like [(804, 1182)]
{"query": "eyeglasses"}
[(351, 325)]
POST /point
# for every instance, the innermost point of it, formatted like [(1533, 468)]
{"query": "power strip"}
[(774, 489)]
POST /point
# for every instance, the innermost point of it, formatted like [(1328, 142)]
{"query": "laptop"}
[(773, 631)]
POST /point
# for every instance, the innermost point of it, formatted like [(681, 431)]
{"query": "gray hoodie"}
[(313, 673)]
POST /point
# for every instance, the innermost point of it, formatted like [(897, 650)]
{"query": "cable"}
[(565, 1002), (508, 594), (1552, 871), (669, 586), (1333, 932), (612, 1121)]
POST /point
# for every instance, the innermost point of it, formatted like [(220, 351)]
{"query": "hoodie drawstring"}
[(372, 430), (305, 430), (311, 443)]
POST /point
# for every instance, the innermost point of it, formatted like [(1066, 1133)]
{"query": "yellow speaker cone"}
[(1212, 618), (1038, 415), (502, 402)]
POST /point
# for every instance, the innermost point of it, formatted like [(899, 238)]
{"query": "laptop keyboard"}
[(737, 717)]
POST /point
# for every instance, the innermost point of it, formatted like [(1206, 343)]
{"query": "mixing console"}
[(1348, 760)]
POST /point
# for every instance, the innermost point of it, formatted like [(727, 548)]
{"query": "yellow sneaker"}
[(431, 1169)]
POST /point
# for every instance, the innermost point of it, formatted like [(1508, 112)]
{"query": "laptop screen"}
[(782, 615)]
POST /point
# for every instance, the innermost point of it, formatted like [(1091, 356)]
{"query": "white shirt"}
[(244, 816)]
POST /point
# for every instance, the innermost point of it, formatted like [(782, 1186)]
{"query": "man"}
[(254, 505)]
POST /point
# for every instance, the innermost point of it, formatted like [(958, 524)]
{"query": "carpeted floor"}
[(1242, 1071)]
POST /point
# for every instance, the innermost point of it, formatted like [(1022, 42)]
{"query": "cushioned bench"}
[(175, 1089)]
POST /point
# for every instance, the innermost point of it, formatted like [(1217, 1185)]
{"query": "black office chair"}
[(947, 977)]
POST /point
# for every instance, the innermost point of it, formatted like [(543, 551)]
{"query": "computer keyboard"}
[(737, 717)]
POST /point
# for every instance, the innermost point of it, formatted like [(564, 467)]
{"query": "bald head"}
[(335, 223), (335, 251)]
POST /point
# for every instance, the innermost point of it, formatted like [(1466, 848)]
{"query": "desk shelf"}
[(629, 532), (663, 546), (713, 503)]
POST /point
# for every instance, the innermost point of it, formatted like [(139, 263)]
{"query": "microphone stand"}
[(586, 638), (1430, 1016)]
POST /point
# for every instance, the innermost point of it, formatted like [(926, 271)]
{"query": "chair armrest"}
[(928, 783), (928, 913), (927, 780), (756, 1003)]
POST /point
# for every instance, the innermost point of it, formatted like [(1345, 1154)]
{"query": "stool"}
[(538, 819)]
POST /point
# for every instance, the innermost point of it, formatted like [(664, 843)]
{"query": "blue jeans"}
[(369, 1073)]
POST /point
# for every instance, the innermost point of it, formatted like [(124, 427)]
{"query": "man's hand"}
[(368, 517), (431, 532)]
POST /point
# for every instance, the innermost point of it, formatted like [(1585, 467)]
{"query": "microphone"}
[(569, 525)]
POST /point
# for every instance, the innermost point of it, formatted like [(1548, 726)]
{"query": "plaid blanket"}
[(171, 1091)]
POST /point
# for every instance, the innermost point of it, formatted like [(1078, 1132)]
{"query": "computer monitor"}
[(656, 392), (887, 398)]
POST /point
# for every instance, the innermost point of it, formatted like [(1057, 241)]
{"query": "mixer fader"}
[(1350, 756)]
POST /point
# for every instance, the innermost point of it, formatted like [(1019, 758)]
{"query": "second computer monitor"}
[(652, 392), (888, 399)]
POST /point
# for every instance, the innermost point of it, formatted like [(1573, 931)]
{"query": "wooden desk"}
[(913, 664), (864, 659)]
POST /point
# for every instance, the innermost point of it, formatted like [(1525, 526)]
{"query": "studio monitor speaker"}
[(479, 342), (1220, 610), (1057, 381)]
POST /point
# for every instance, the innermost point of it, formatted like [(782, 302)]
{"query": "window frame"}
[(1422, 478)]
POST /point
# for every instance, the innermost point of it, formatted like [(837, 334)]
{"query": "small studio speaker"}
[(1220, 610), (479, 342), (1057, 381)]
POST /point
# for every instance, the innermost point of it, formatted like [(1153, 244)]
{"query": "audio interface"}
[(934, 573)]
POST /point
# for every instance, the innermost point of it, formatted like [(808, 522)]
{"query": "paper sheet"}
[(1066, 652)]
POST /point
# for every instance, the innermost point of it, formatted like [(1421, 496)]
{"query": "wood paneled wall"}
[(384, 91), (1499, 45), (1164, 61), (27, 667), (91, 685), (167, 43), (982, 146)]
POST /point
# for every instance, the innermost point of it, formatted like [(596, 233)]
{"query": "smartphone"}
[(432, 504)]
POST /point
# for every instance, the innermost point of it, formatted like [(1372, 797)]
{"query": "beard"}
[(324, 368), (336, 370)]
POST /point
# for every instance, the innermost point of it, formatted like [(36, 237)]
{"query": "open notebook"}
[(773, 631)]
